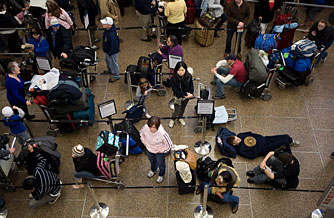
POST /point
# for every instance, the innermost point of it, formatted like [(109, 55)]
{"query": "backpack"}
[(133, 146), (127, 126), (190, 157), (255, 67), (299, 64), (266, 42), (144, 65), (304, 48), (107, 143), (204, 166)]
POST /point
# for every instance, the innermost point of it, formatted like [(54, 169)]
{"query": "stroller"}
[(289, 75), (259, 76), (110, 156)]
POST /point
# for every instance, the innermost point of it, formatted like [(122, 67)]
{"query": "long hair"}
[(143, 84), (53, 8), (177, 67)]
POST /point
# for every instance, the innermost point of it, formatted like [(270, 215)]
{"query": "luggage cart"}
[(7, 165)]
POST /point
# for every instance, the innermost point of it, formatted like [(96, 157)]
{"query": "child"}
[(143, 92), (16, 127), (110, 45)]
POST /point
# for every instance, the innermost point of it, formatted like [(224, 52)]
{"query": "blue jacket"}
[(224, 147), (41, 46), (15, 90), (110, 41), (15, 127)]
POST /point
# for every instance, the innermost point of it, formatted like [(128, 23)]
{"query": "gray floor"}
[(304, 112)]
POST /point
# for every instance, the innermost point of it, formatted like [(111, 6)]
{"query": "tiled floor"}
[(305, 112)]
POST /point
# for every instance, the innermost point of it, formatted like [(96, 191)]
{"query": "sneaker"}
[(31, 196), (160, 179), (57, 196), (183, 123), (250, 173), (218, 97), (213, 83), (250, 180), (171, 123), (332, 155), (147, 116), (95, 47), (295, 143), (97, 40), (146, 40), (150, 174), (113, 80), (323, 60)]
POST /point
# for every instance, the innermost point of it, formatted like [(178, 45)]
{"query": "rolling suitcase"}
[(88, 114), (203, 37), (288, 34), (191, 11)]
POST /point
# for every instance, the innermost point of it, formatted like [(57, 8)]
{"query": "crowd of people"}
[(279, 167)]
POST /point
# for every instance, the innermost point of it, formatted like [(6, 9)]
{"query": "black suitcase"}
[(253, 31), (183, 187)]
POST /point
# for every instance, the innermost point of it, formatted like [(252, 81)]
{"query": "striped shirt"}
[(47, 182)]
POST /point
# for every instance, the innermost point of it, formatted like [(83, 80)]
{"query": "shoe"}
[(250, 173), (198, 191), (150, 174), (148, 116), (95, 47), (78, 186), (332, 155), (166, 83), (250, 180), (54, 201), (183, 123), (97, 40), (31, 196), (160, 179), (323, 60), (218, 97), (235, 209), (295, 143), (171, 123), (216, 36), (146, 40), (213, 83), (226, 54), (113, 80), (153, 36), (30, 117)]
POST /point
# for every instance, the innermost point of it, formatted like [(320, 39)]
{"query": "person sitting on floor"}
[(85, 165), (280, 169), (252, 145)]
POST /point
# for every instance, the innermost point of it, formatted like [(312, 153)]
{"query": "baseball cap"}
[(54, 22), (231, 56), (107, 20)]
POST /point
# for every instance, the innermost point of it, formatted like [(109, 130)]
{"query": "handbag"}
[(207, 20)]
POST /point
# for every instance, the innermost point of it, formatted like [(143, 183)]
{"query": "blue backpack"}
[(133, 147), (300, 64), (266, 42), (304, 48)]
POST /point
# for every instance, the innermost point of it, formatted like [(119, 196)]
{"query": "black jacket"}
[(181, 85), (144, 7), (87, 163), (87, 6), (63, 41), (7, 20), (262, 9), (321, 37)]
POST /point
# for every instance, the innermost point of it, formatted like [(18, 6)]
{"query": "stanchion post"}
[(129, 103), (204, 211), (98, 210)]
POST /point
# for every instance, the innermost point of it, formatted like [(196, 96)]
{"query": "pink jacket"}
[(158, 142), (64, 20)]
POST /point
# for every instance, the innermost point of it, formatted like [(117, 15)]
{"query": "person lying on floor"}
[(279, 169), (251, 145)]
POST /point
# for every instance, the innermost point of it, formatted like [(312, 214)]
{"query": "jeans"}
[(112, 65), (276, 166), (229, 37), (84, 174), (220, 85), (179, 109), (22, 137), (157, 161), (228, 197), (324, 54)]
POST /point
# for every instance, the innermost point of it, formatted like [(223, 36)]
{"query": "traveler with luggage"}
[(234, 76), (142, 94), (15, 89), (225, 178), (175, 11), (110, 44), (265, 11), (280, 169), (43, 184), (183, 90), (17, 128), (158, 144), (54, 11), (144, 11), (60, 39), (237, 14), (85, 165)]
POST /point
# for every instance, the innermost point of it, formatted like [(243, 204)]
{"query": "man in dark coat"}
[(60, 39), (265, 12)]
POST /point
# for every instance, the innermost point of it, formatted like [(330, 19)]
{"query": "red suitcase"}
[(288, 34)]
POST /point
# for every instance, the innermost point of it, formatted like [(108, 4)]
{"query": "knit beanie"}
[(78, 151), (7, 111)]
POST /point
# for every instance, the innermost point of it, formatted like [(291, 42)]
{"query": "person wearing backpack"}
[(158, 144), (110, 43)]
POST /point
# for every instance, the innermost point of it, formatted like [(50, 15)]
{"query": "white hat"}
[(7, 111), (78, 151), (107, 20), (54, 22), (184, 171)]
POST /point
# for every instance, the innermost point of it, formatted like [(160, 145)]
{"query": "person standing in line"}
[(110, 45), (158, 144), (183, 89), (265, 10)]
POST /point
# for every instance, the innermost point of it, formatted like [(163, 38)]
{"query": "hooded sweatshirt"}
[(157, 142)]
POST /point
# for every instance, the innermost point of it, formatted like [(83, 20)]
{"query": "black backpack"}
[(127, 126), (144, 65), (207, 165)]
